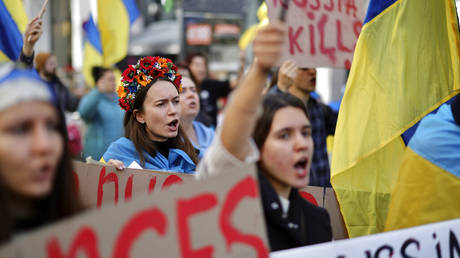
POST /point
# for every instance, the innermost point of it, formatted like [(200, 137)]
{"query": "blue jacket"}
[(204, 135), (123, 149), (105, 122)]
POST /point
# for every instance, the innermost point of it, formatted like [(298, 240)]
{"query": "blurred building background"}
[(209, 26)]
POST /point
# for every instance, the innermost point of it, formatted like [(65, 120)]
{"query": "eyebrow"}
[(290, 128)]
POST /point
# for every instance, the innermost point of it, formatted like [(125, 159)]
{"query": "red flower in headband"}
[(129, 74), (140, 75), (146, 63)]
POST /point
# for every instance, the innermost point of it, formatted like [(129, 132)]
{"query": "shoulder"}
[(120, 148)]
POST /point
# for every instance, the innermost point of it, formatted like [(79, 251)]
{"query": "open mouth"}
[(173, 125), (301, 167)]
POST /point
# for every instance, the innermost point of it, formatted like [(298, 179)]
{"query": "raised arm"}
[(241, 114)]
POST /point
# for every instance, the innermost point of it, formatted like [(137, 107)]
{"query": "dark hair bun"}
[(97, 72)]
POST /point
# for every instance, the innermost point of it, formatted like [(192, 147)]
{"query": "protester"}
[(211, 91), (153, 138), (323, 121), (46, 65), (100, 110), (200, 135), (283, 135), (36, 182)]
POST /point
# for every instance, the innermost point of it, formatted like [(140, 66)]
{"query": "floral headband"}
[(147, 69)]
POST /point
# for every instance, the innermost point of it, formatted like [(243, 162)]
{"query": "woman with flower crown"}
[(149, 93)]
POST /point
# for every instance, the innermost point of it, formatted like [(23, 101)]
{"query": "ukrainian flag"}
[(114, 20), (13, 22), (92, 50), (406, 64), (428, 185)]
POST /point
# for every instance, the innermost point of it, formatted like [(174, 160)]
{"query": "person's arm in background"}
[(241, 114), (88, 105), (32, 35)]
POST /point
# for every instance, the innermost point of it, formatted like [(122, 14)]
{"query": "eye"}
[(283, 135), (52, 125), (160, 104), (176, 101), (19, 129), (306, 132)]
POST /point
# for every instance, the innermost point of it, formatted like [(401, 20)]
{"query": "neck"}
[(43, 76), (22, 207), (299, 93), (281, 188), (187, 126)]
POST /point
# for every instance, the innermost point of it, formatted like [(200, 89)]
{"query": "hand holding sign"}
[(34, 31), (268, 44)]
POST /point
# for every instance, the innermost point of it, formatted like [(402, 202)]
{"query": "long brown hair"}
[(137, 132), (62, 201)]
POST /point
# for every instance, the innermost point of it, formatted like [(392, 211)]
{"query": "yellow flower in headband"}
[(121, 91)]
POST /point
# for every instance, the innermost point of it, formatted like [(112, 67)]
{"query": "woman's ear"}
[(139, 116)]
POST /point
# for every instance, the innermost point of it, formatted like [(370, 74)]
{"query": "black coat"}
[(305, 223)]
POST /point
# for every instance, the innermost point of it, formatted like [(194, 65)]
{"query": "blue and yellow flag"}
[(92, 50), (114, 20), (13, 22), (428, 185), (406, 64)]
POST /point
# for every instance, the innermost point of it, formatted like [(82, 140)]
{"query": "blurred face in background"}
[(198, 67), (107, 82), (50, 66), (31, 147), (189, 100), (161, 111), (305, 79)]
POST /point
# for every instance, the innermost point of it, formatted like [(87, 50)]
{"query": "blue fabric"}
[(437, 139), (105, 122), (123, 149), (205, 136), (131, 8), (92, 34), (376, 7), (10, 36)]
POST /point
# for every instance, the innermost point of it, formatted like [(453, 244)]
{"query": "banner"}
[(99, 184), (430, 241), (217, 217), (320, 32)]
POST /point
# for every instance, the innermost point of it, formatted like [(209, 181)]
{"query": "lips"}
[(173, 125), (301, 167), (43, 173)]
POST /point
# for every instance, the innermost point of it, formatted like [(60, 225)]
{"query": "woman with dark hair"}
[(100, 110), (154, 139), (36, 182), (282, 135)]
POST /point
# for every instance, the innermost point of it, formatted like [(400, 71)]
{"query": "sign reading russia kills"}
[(320, 32)]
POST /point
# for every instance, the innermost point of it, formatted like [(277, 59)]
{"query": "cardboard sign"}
[(98, 185), (217, 217), (434, 240), (325, 197), (320, 32)]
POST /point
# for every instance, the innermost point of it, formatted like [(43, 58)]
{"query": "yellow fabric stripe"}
[(113, 24), (424, 193), (17, 11), (91, 58)]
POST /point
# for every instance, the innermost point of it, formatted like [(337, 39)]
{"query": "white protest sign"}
[(431, 241), (320, 32)]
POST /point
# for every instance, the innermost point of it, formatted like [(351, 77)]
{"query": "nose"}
[(172, 108), (41, 140), (301, 142)]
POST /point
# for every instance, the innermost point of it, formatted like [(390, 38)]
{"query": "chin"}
[(37, 191)]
